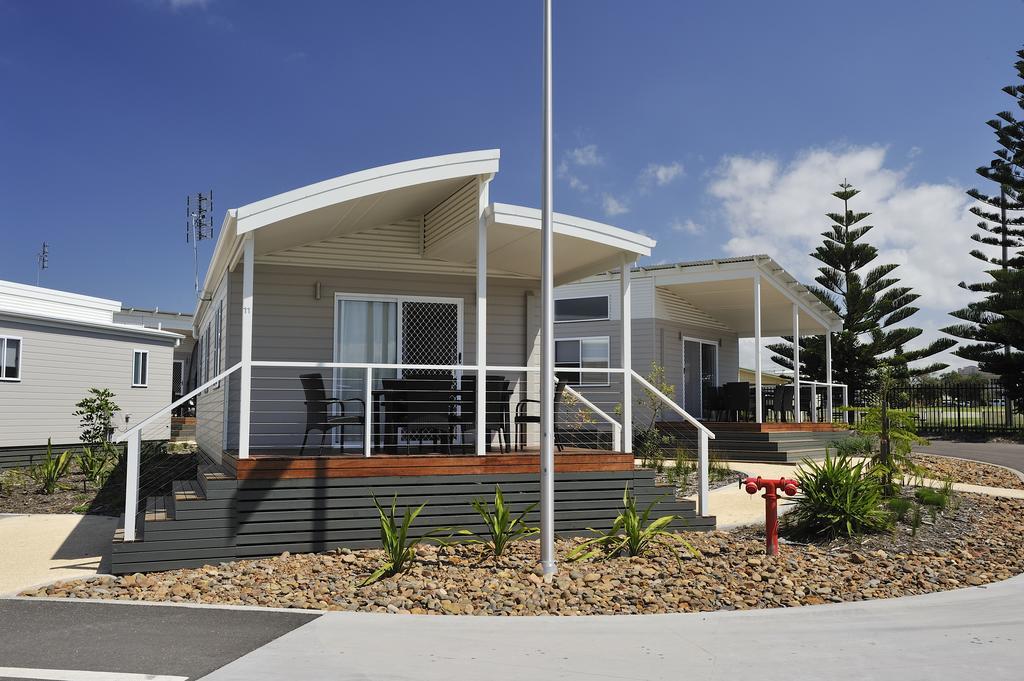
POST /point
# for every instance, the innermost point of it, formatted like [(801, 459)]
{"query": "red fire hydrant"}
[(771, 505)]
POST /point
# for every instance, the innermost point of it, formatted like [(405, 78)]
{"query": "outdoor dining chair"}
[(737, 399), (421, 408), (318, 408), (523, 418), (498, 395)]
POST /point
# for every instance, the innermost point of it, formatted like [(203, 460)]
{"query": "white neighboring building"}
[(54, 346)]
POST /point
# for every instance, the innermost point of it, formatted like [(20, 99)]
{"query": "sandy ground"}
[(41, 548)]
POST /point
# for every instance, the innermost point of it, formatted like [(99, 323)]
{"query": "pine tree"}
[(995, 324), (870, 304)]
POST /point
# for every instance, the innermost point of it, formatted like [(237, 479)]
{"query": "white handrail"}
[(616, 426), (414, 367), (672, 405), (132, 461), (703, 435), (121, 437)]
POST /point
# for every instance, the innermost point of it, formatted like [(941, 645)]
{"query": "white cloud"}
[(185, 4), (660, 174), (563, 172), (613, 206), (585, 156), (780, 210), (687, 227)]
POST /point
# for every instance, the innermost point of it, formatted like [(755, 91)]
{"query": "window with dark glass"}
[(593, 308), (10, 359), (582, 353)]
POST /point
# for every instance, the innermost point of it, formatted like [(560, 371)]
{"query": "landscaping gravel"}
[(981, 543), (971, 472)]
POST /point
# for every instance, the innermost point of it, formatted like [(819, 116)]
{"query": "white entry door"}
[(700, 371)]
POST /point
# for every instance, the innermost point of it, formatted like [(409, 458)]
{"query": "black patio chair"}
[(318, 416), (426, 408), (498, 395), (782, 402), (737, 399), (714, 402), (522, 418)]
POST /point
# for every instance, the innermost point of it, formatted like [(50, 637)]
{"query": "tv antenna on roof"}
[(198, 224), (43, 260)]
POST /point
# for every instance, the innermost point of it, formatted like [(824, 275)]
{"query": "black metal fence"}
[(958, 408)]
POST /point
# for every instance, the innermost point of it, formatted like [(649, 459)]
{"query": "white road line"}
[(78, 675)]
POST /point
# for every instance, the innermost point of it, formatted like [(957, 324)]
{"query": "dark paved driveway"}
[(128, 638), (1003, 454)]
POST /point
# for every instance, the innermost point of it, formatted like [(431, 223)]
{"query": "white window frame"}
[(606, 317), (145, 379), (581, 368), (3, 358)]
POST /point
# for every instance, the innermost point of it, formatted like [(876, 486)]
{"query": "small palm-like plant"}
[(399, 548), (502, 527), (631, 534), (838, 498), (50, 471), (94, 465)]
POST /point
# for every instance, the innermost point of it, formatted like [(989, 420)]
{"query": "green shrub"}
[(631, 533), (502, 528), (838, 499), (900, 506), (96, 415), (682, 468), (95, 464), (50, 471), (399, 549), (854, 446)]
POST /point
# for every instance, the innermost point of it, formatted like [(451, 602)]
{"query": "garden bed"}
[(971, 472), (978, 541), (19, 493)]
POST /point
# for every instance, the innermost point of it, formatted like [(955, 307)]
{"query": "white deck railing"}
[(270, 410)]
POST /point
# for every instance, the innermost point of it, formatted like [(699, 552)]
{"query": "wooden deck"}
[(288, 464)]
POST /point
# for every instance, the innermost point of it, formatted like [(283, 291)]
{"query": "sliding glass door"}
[(700, 372)]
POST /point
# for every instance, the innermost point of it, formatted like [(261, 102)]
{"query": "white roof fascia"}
[(365, 183), (799, 294), (120, 329), (570, 225)]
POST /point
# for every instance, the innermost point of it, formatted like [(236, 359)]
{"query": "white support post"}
[(702, 474), (828, 376), (245, 385), (547, 327), (131, 484), (626, 334), (481, 318), (796, 364), (813, 406), (367, 412), (758, 387), (846, 396)]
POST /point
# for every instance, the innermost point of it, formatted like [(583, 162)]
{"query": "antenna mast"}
[(198, 225), (42, 260)]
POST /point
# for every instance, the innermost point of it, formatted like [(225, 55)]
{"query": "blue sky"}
[(716, 127)]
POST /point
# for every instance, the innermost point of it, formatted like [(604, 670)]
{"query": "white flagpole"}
[(547, 349)]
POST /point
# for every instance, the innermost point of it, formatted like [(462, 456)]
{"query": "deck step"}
[(187, 490), (158, 509)]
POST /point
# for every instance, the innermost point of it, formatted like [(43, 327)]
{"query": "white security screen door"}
[(392, 330), (700, 371)]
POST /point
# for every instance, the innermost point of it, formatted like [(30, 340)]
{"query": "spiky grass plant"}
[(838, 499), (399, 547), (502, 527), (50, 470), (95, 465), (631, 534)]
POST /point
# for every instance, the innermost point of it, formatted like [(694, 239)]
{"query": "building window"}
[(590, 309), (582, 353), (140, 369), (10, 358), (218, 319)]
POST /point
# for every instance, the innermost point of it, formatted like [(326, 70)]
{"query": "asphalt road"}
[(130, 638), (1003, 454)]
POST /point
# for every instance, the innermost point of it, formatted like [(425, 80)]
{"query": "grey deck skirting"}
[(254, 518)]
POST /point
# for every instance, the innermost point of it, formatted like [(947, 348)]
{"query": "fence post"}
[(131, 484), (367, 413), (702, 473), (959, 397)]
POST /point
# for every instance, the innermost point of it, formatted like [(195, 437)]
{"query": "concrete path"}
[(38, 548), (970, 633), (77, 640)]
